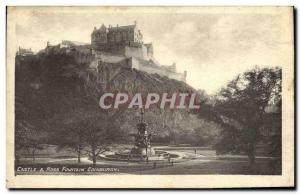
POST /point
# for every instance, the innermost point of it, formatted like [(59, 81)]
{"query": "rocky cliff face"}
[(52, 90)]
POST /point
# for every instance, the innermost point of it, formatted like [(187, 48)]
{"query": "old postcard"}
[(150, 97)]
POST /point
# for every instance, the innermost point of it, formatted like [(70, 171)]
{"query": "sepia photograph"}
[(124, 97)]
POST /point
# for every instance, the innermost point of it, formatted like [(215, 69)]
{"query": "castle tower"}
[(99, 37)]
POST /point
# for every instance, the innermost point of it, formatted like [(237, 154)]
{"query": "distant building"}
[(24, 52)]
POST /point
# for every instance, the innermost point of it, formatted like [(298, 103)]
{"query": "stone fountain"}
[(142, 148)]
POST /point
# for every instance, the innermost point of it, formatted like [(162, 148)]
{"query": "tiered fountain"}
[(142, 148), (142, 151)]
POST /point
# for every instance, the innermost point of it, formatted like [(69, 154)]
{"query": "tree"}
[(27, 138), (97, 136), (72, 137), (243, 103)]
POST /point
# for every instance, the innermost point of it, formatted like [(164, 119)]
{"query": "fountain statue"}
[(142, 148)]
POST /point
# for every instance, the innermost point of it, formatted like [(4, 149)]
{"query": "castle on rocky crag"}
[(124, 44), (113, 48)]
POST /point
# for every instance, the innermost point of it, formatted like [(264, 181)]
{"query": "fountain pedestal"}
[(142, 148)]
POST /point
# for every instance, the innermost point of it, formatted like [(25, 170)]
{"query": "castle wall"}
[(138, 52), (177, 76), (134, 63), (149, 48), (83, 58), (152, 69), (102, 58), (109, 58)]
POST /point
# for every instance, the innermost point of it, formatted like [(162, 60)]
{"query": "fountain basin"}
[(132, 157)]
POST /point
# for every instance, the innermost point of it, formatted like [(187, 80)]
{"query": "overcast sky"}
[(213, 46)]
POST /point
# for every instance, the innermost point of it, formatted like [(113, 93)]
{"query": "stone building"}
[(24, 52), (80, 52), (124, 45), (108, 38)]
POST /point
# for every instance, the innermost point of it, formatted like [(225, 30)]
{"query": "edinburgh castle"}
[(116, 44), (111, 47)]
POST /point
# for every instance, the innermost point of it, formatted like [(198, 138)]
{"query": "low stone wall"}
[(152, 68), (138, 52)]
